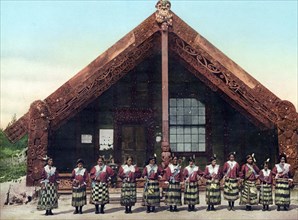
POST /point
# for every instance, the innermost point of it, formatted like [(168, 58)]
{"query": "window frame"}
[(206, 126)]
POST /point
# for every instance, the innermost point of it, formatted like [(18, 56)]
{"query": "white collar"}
[(232, 163), (213, 169), (79, 171), (49, 171), (173, 167), (266, 172), (127, 168), (103, 167)]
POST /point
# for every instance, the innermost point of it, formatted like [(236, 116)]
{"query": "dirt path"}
[(115, 211)]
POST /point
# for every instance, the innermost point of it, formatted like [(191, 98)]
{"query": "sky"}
[(45, 43)]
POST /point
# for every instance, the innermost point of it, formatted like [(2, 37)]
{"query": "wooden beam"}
[(165, 86)]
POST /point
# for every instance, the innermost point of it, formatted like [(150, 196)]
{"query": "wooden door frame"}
[(133, 116)]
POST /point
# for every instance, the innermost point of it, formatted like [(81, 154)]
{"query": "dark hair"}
[(283, 156), (248, 156), (231, 153), (80, 161), (49, 158), (151, 158), (102, 158), (191, 159), (212, 158), (129, 157)]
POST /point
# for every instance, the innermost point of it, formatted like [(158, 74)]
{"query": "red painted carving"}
[(287, 125), (17, 130), (260, 103), (37, 140)]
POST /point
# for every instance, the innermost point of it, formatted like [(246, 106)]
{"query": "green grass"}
[(7, 150), (8, 173)]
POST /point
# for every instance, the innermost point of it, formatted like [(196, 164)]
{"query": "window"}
[(187, 125)]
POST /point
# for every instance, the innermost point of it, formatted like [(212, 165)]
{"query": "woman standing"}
[(152, 173), (231, 176), (100, 175), (213, 175), (48, 198), (79, 178), (249, 174), (191, 174), (173, 178), (129, 173), (266, 187), (282, 174)]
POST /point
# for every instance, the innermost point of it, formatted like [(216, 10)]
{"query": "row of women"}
[(231, 173)]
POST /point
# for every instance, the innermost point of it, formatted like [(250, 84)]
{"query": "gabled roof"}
[(198, 55)]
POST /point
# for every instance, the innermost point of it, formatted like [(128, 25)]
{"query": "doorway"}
[(134, 135)]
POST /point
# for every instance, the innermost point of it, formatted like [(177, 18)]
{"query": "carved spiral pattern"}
[(37, 140)]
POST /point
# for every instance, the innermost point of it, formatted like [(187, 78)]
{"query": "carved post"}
[(164, 19), (37, 141), (287, 126)]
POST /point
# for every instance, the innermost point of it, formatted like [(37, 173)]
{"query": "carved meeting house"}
[(161, 88)]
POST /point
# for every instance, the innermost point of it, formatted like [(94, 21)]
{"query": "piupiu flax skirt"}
[(173, 195), (48, 197), (152, 194), (191, 193), (231, 190), (79, 196), (100, 193), (249, 194), (128, 194), (265, 197), (282, 192), (213, 196)]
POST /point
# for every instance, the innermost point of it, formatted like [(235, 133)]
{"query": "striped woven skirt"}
[(265, 197), (173, 195), (282, 192), (152, 194), (128, 194), (79, 197), (100, 193), (249, 194), (231, 190), (191, 193), (213, 195), (48, 197)]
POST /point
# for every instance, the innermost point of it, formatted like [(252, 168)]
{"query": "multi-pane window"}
[(187, 125)]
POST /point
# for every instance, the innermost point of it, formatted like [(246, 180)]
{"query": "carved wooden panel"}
[(64, 107), (17, 130), (37, 141), (223, 79)]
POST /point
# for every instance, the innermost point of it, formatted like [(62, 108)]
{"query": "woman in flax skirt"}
[(128, 173), (79, 178), (173, 178), (100, 175), (281, 172), (213, 175), (191, 174), (48, 198), (231, 176), (152, 173), (266, 187), (249, 174)]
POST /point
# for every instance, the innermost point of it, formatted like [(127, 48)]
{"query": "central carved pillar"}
[(164, 19)]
